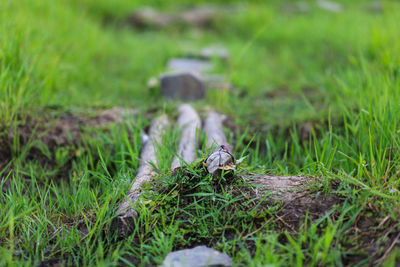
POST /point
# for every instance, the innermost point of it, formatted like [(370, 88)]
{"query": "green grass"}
[(316, 93)]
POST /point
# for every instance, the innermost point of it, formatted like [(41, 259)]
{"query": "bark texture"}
[(221, 158), (296, 197), (190, 123), (213, 129), (126, 212)]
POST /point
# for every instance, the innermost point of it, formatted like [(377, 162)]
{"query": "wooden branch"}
[(190, 122), (213, 129), (296, 196), (220, 159), (126, 213)]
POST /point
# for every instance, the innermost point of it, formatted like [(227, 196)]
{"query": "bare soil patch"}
[(370, 235), (63, 129)]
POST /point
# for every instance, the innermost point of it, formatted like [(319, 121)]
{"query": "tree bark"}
[(126, 213), (220, 159), (190, 123), (214, 131)]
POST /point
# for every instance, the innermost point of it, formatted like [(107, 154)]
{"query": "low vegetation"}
[(316, 94)]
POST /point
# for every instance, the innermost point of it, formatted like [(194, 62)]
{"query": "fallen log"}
[(297, 197), (220, 159), (213, 130), (126, 213), (190, 122)]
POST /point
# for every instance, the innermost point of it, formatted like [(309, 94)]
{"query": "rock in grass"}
[(297, 7), (186, 86), (197, 257), (219, 161), (329, 6), (189, 64), (150, 17), (215, 52), (210, 53), (196, 17), (200, 16), (217, 81), (375, 6)]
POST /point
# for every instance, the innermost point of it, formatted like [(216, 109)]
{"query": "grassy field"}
[(317, 94)]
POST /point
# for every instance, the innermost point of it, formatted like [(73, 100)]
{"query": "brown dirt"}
[(372, 235), (54, 131)]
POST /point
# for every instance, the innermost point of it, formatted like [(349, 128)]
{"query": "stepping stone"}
[(297, 7), (150, 17), (217, 81), (197, 17), (209, 53), (186, 86), (329, 6), (215, 52), (197, 257), (200, 16), (189, 64), (375, 6)]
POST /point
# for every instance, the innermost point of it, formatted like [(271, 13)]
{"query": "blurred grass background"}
[(334, 76)]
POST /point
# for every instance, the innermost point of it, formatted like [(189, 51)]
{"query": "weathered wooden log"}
[(190, 123), (220, 159), (297, 197), (126, 213), (213, 130)]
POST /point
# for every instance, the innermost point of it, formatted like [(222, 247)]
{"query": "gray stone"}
[(150, 17), (329, 6), (220, 160), (201, 16), (197, 257), (375, 7), (186, 86), (215, 52), (189, 64), (217, 81), (302, 7), (296, 7)]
